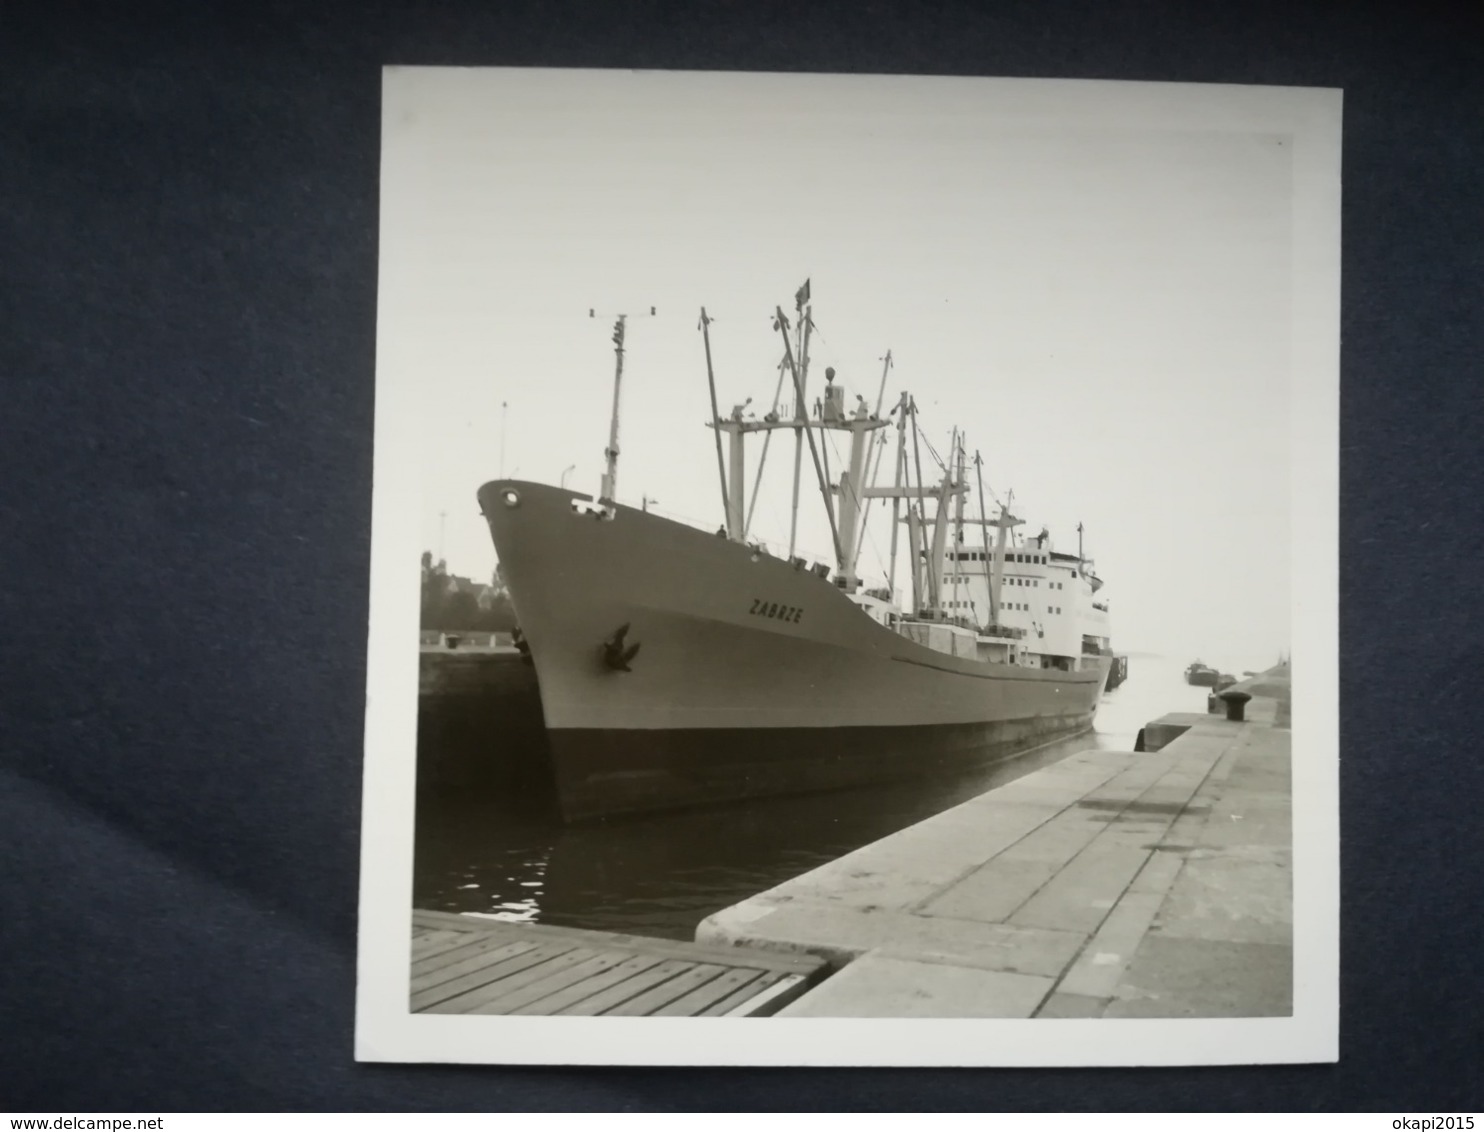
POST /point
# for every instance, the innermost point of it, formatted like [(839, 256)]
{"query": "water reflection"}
[(508, 856)]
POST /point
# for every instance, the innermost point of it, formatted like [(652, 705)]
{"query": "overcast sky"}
[(1104, 308)]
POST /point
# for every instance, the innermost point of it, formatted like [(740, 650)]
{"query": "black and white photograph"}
[(853, 572)]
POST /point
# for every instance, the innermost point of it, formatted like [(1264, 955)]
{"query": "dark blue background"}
[(188, 216)]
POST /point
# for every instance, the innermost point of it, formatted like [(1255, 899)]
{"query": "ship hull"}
[(751, 677), (605, 772)]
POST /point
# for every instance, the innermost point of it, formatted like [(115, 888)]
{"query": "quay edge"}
[(1112, 884)]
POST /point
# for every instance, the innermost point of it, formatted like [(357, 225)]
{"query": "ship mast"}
[(989, 586), (607, 492), (914, 548), (940, 538), (860, 538), (801, 420), (610, 476), (958, 518), (853, 491), (847, 524), (824, 487), (881, 392), (1003, 523), (914, 525), (896, 500), (716, 424)]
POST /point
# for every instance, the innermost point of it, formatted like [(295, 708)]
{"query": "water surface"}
[(662, 874)]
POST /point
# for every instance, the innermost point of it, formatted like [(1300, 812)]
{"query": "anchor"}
[(615, 656), (518, 639)]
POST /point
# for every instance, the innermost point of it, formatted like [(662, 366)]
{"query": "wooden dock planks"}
[(475, 965)]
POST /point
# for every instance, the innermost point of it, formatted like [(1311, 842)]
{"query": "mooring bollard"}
[(1236, 705)]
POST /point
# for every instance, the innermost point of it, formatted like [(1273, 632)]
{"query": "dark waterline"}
[(661, 875)]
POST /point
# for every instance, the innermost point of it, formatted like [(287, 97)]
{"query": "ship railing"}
[(812, 561)]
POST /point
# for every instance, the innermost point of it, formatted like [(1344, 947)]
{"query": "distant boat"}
[(1201, 675), (680, 666)]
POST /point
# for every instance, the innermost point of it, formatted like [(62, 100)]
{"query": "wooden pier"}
[(476, 965)]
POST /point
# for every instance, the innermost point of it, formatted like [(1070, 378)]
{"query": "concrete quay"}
[(1113, 884)]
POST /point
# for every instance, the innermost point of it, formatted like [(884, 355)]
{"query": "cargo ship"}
[(680, 666)]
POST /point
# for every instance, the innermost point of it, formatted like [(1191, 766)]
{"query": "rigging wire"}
[(827, 355), (827, 447), (878, 442), (830, 355), (813, 554), (933, 452), (876, 553), (763, 459)]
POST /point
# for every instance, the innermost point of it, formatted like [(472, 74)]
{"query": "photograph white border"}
[(386, 1031)]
